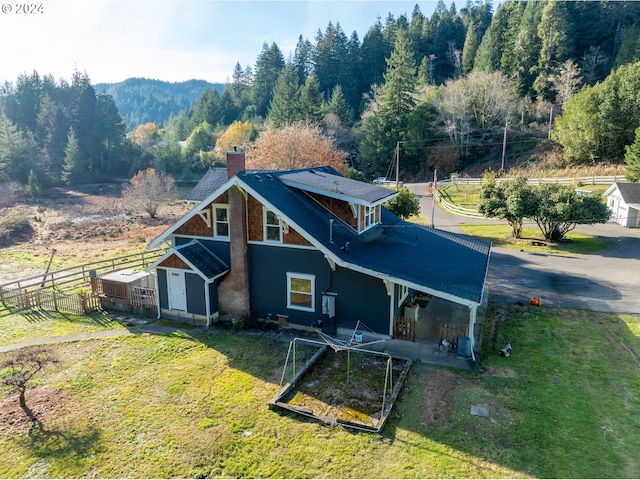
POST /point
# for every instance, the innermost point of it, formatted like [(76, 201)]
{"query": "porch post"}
[(473, 311)]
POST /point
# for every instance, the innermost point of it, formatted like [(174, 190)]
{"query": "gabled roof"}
[(326, 181), (424, 258), (445, 264), (211, 181), (204, 262), (630, 192)]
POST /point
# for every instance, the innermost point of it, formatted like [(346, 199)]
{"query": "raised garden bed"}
[(352, 387)]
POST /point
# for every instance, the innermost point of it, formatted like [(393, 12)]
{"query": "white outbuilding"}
[(623, 200)]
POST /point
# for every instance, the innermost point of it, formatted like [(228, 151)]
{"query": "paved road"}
[(608, 283)]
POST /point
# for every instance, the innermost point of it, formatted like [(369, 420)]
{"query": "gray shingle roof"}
[(327, 181), (211, 180), (434, 259), (203, 259), (630, 192)]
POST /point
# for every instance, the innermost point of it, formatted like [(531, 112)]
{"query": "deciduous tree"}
[(21, 370), (298, 145), (511, 200), (559, 209), (148, 190), (405, 204)]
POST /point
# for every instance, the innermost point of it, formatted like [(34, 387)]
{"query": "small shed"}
[(131, 286), (623, 200)]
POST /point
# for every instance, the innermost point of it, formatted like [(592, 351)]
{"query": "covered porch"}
[(437, 320)]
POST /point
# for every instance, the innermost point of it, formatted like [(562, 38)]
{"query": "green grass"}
[(21, 327), (500, 236), (465, 196), (565, 404)]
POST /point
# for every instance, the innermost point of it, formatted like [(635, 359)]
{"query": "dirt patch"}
[(42, 401), (438, 397), (82, 226)]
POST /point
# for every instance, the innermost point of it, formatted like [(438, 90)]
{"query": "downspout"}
[(207, 301), (155, 277), (472, 322)]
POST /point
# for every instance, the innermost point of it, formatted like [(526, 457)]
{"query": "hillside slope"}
[(143, 100)]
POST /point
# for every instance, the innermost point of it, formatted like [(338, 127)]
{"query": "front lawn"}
[(532, 240), (566, 403), (33, 324)]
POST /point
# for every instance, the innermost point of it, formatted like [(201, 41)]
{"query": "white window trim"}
[(215, 219), (369, 217), (265, 210), (303, 276), (403, 294)]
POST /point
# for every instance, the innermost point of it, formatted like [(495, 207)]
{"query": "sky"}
[(170, 40)]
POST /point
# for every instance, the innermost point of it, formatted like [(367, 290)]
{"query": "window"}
[(402, 294), (301, 291), (369, 216), (272, 227), (221, 225)]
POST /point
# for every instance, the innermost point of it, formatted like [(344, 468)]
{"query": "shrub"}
[(14, 227)]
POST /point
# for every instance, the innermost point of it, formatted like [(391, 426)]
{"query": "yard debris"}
[(478, 411), (506, 351)]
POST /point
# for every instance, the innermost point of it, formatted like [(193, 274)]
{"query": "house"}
[(623, 200), (309, 247)]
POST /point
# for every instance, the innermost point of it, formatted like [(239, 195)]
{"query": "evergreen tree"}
[(303, 59), (339, 107), (76, 167), (14, 151), (394, 102), (53, 129), (373, 57), (110, 133), (333, 64), (285, 104), (555, 37), (630, 49), (311, 100), (525, 51), (470, 48), (268, 66), (632, 159), (208, 108)]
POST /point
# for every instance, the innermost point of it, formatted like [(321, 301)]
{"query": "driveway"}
[(609, 282)]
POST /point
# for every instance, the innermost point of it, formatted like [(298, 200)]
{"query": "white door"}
[(177, 290)]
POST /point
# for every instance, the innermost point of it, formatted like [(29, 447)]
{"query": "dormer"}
[(354, 202)]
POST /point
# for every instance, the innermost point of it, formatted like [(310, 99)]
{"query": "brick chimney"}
[(233, 292), (235, 163)]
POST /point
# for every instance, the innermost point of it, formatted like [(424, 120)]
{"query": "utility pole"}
[(550, 121), (398, 165), (504, 145), (433, 198)]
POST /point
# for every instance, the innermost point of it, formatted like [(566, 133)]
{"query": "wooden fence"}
[(82, 273), (473, 213), (452, 333), (405, 328), (124, 293), (588, 180), (49, 300)]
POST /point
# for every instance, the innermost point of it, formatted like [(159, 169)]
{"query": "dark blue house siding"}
[(359, 296), (195, 294), (163, 296), (268, 267)]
